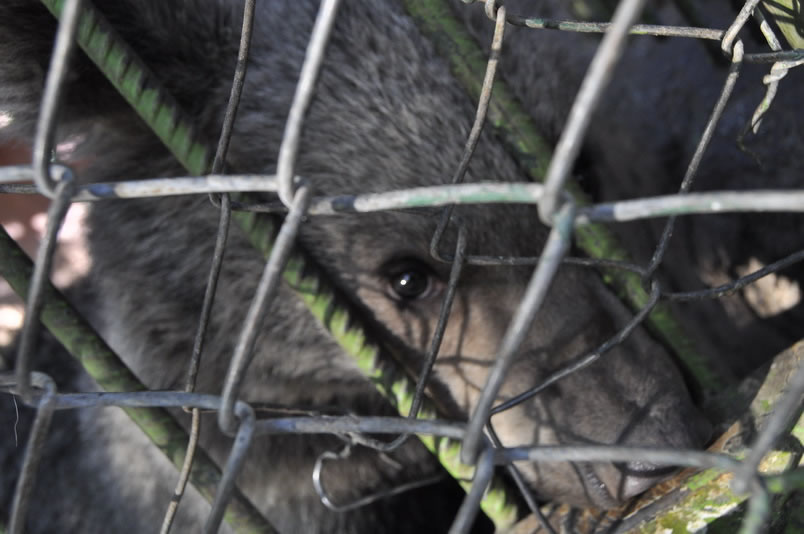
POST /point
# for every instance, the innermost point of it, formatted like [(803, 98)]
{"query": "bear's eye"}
[(410, 280)]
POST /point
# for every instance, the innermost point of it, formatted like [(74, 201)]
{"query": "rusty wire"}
[(238, 418)]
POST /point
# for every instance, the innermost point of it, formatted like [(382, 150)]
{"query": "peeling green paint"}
[(700, 508), (789, 18), (118, 63), (699, 480), (778, 461)]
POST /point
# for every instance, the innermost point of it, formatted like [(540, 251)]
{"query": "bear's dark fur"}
[(387, 115)]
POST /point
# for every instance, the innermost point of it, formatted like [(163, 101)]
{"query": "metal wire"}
[(44, 262), (225, 205), (237, 417), (619, 454), (784, 200), (149, 188), (266, 290), (522, 485), (693, 203), (327, 501), (692, 169), (363, 425), (557, 245), (731, 287), (51, 97), (234, 464), (586, 360), (33, 452), (184, 474), (237, 88), (742, 17), (304, 93), (471, 503), (441, 326)]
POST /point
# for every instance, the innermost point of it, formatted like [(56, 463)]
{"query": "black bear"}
[(387, 114)]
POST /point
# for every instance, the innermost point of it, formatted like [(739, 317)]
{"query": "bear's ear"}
[(187, 45)]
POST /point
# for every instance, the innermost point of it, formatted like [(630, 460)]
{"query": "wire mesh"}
[(560, 205)]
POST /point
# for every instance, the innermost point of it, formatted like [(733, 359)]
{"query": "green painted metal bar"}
[(789, 18), (139, 86)]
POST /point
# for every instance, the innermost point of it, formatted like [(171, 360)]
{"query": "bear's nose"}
[(639, 476)]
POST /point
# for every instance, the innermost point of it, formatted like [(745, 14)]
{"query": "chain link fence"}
[(470, 451)]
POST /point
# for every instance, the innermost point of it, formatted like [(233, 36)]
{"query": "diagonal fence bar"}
[(106, 368)]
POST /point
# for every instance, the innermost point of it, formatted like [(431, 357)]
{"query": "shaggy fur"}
[(387, 115)]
